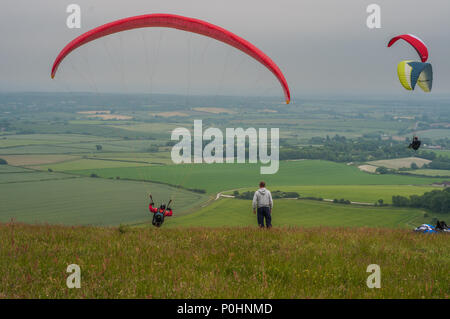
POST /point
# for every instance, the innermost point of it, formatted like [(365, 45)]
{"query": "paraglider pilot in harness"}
[(415, 144), (159, 213)]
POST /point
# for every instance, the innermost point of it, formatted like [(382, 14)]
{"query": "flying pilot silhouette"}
[(159, 213), (415, 144)]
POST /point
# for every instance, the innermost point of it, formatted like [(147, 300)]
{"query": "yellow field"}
[(400, 162), (367, 168)]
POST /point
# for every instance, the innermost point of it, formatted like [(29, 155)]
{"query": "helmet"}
[(163, 206)]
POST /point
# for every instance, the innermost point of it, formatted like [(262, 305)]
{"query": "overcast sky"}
[(322, 46)]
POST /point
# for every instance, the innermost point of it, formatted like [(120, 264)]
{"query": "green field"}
[(31, 176), (219, 177), (354, 193), (45, 149), (110, 160), (431, 172), (47, 139), (306, 213), (158, 129), (92, 164), (66, 143), (9, 142), (12, 174), (241, 262), (103, 201), (6, 169), (87, 201)]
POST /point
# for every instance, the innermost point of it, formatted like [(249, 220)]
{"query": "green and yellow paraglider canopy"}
[(411, 73)]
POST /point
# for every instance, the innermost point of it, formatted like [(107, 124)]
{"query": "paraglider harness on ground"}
[(441, 227), (158, 217), (415, 144)]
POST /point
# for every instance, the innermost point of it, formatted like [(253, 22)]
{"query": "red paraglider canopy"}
[(415, 42), (176, 22)]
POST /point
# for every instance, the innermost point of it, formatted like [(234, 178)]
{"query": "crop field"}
[(400, 162), (73, 148), (132, 145), (32, 160), (86, 201), (56, 149), (158, 158), (355, 193), (219, 177), (12, 169), (305, 213), (32, 139), (95, 122), (83, 164), (431, 172), (214, 110), (12, 174), (30, 176), (150, 158), (155, 129), (106, 147), (433, 133), (58, 146), (8, 142), (307, 128), (169, 114), (368, 168), (240, 262)]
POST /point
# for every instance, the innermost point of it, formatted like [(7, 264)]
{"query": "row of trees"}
[(341, 149), (441, 162), (437, 201)]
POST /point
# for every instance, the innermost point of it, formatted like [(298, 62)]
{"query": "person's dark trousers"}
[(154, 219), (264, 213)]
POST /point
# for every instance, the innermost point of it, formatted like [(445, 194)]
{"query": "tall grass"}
[(221, 262)]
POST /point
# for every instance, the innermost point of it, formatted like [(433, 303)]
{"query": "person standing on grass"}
[(262, 205)]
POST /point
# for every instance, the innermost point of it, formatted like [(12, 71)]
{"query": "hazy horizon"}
[(321, 47)]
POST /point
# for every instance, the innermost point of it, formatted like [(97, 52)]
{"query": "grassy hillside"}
[(219, 177), (84, 200), (355, 193), (221, 262), (236, 212)]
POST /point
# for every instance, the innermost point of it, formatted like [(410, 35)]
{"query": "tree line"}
[(341, 149), (437, 201)]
